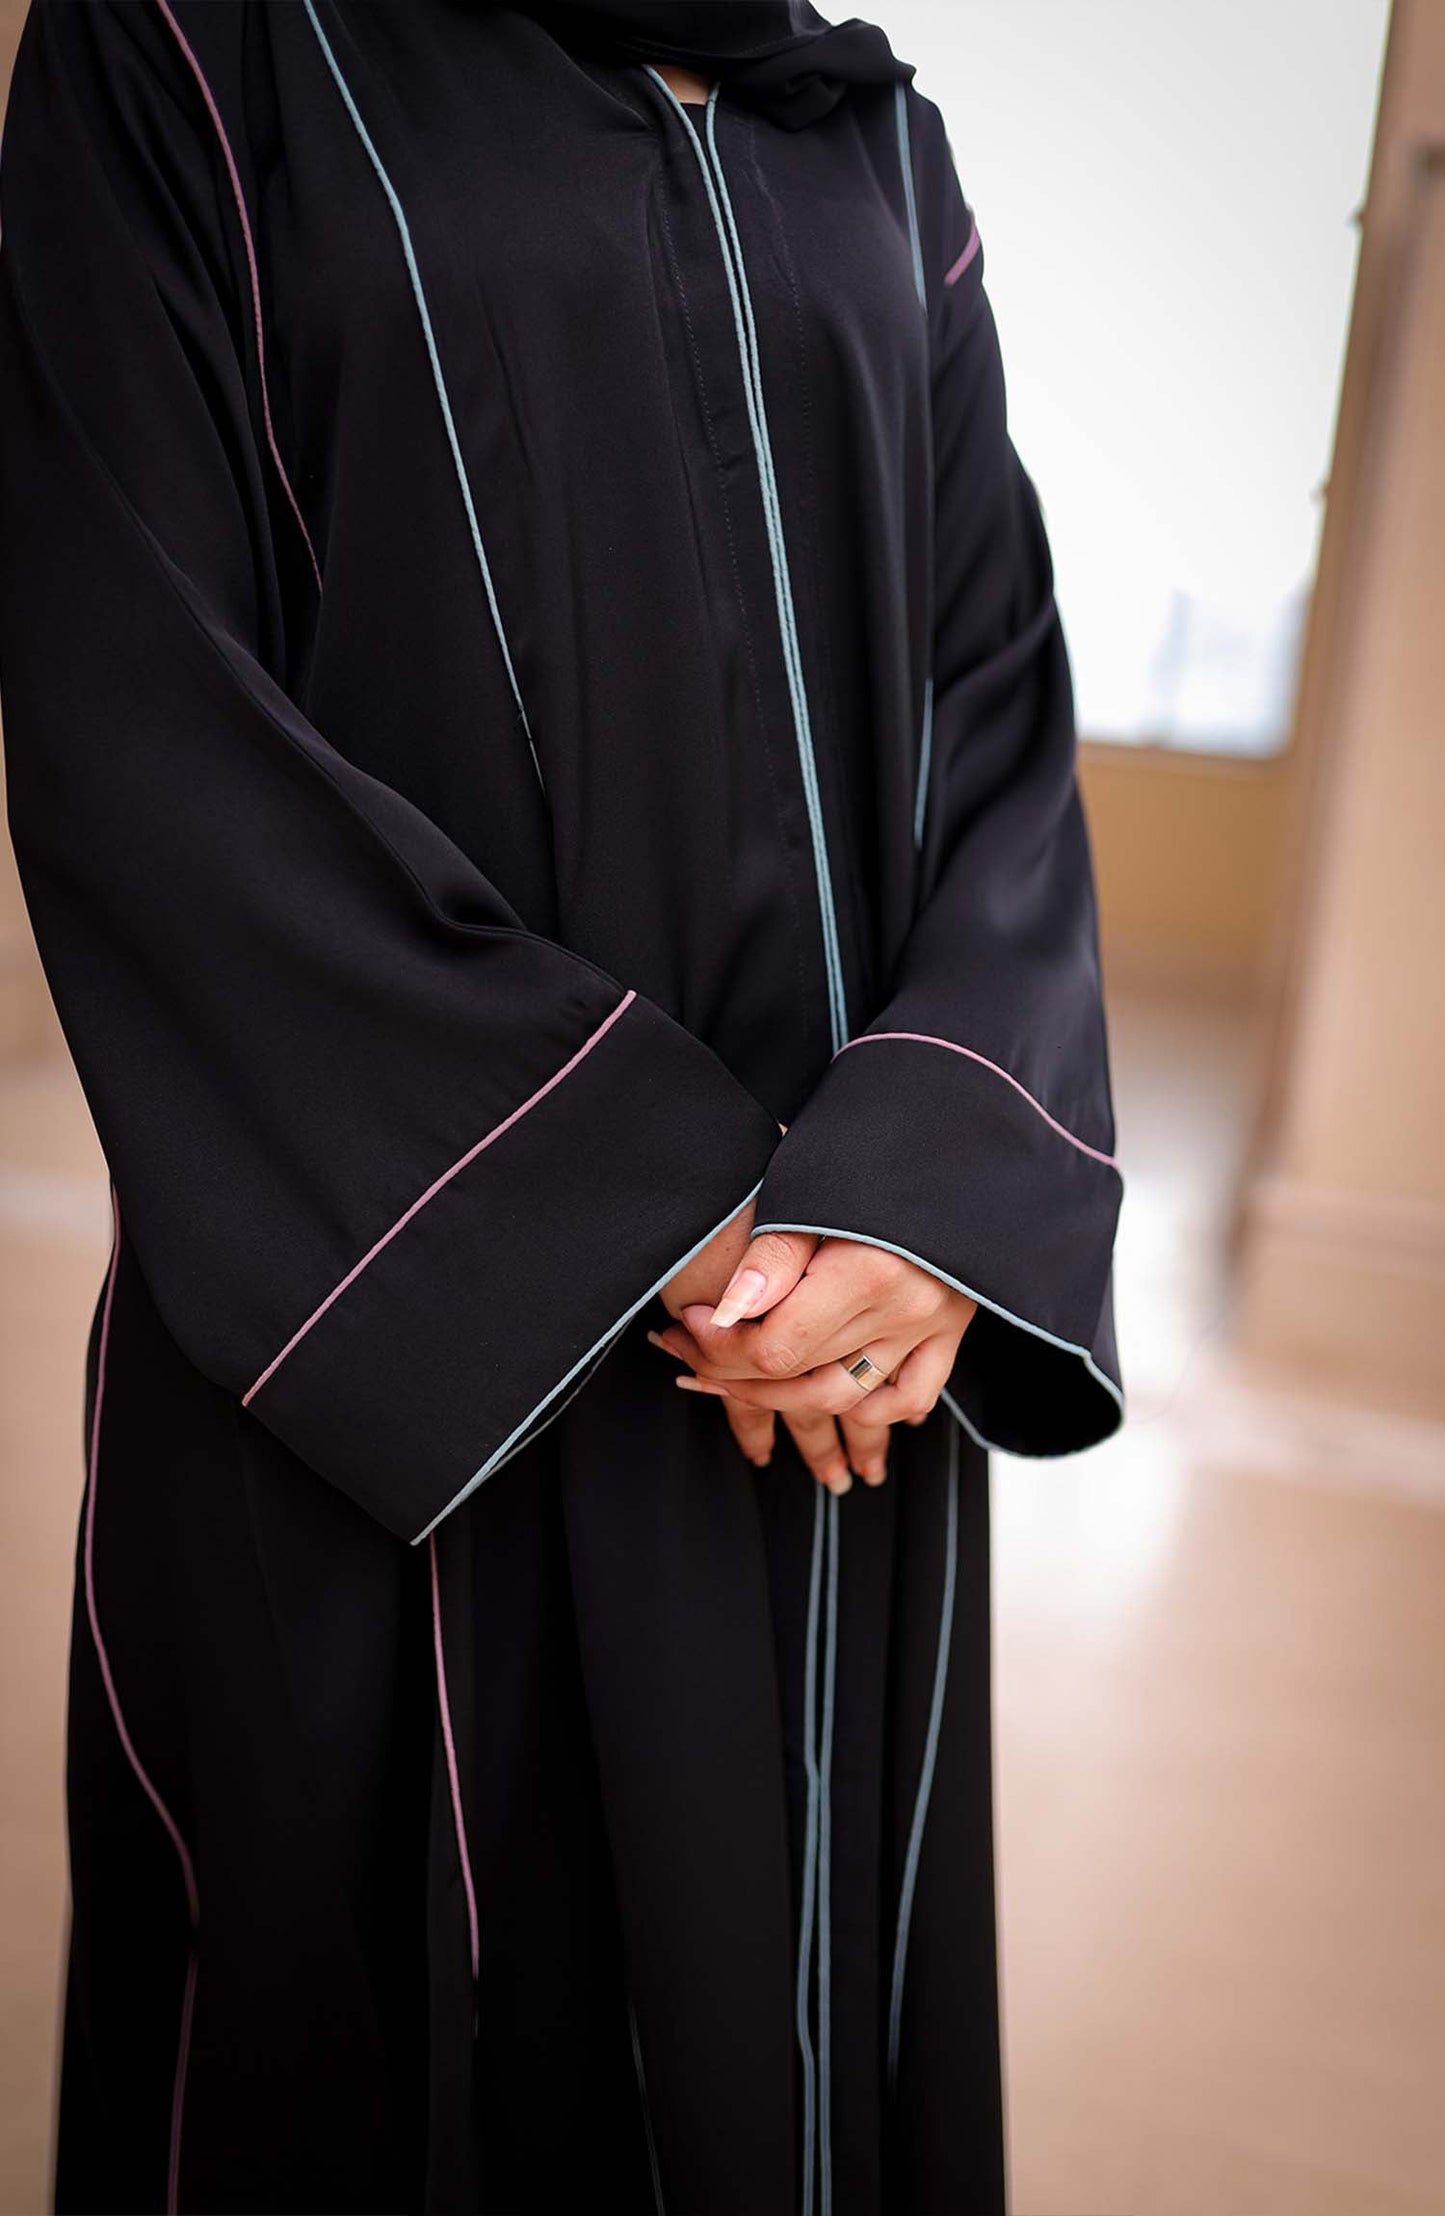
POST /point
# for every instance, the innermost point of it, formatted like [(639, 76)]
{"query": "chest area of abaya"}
[(642, 397), (570, 250)]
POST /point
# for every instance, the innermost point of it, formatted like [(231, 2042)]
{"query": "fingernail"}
[(697, 1385), (760, 1461), (839, 1482), (744, 1291), (872, 1473), (656, 1339)]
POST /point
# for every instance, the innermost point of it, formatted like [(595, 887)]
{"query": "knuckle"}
[(776, 1357), (780, 1250), (875, 1266), (917, 1297)]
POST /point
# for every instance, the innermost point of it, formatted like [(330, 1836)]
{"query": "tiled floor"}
[(1221, 1692)]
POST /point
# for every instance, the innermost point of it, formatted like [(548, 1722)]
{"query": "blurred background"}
[(1215, 244)]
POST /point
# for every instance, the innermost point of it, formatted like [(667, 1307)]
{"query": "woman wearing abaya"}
[(541, 752)]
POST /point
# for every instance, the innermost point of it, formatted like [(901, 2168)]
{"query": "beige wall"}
[(1343, 1230), (1187, 850)]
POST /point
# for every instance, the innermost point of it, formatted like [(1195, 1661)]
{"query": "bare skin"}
[(683, 82), (771, 1336)]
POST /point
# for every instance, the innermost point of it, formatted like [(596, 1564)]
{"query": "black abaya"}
[(529, 660)]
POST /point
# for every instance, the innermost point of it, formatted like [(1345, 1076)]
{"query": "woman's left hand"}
[(795, 1311)]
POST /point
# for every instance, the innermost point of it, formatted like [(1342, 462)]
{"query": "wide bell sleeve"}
[(395, 1170), (969, 1125)]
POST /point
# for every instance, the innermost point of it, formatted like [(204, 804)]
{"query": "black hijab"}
[(777, 55)]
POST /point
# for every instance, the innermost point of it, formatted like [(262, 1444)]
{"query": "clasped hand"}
[(794, 1307)]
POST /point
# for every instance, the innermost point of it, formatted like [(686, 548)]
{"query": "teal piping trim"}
[(652, 2163), (965, 1424), (495, 1459), (810, 1857), (1035, 1330), (438, 379), (825, 1868), (787, 611), (910, 197), (818, 1754), (930, 1758), (915, 248), (750, 354), (744, 324), (925, 757)]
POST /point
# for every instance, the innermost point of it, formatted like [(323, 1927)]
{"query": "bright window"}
[(1165, 192)]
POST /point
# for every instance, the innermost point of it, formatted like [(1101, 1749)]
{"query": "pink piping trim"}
[(924, 1038), (444, 1710), (188, 1872), (250, 245), (431, 1192), (964, 258)]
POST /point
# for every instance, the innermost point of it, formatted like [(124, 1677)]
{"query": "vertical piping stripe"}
[(925, 758), (720, 206), (444, 1713), (438, 379), (652, 2162), (825, 1871), (915, 248), (810, 1857), (910, 197), (930, 1758), (143, 1777), (249, 244), (816, 1886), (787, 612)]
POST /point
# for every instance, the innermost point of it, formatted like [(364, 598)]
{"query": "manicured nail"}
[(872, 1473), (656, 1339), (698, 1385), (838, 1481), (741, 1297), (760, 1461)]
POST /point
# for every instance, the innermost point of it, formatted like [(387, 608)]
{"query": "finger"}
[(768, 1271), (678, 1341), (866, 1445), (816, 1439), (826, 1391), (753, 1428), (913, 1391), (850, 1293), (721, 1362), (784, 1339)]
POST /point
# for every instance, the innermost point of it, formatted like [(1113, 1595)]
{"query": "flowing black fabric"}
[(779, 56), (529, 661)]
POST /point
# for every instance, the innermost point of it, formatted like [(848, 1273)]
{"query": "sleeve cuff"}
[(434, 1357), (949, 1162)]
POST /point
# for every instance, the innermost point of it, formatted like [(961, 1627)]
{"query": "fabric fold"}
[(394, 1166)]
